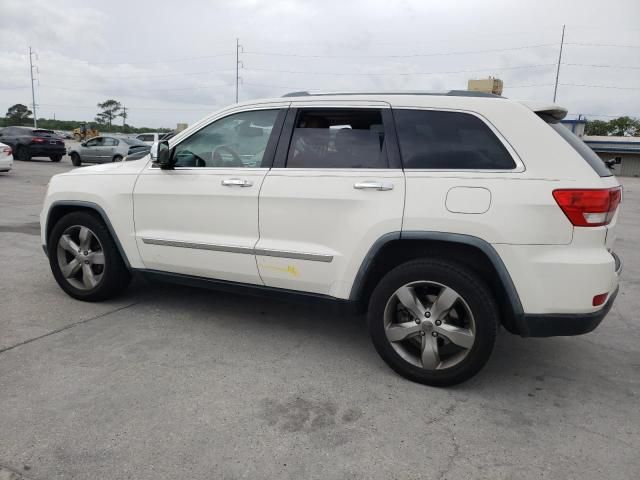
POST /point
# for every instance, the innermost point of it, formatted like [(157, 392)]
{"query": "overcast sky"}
[(172, 62)]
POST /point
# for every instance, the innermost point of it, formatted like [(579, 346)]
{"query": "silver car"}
[(107, 149)]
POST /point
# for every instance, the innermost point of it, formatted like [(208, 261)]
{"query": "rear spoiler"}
[(549, 112)]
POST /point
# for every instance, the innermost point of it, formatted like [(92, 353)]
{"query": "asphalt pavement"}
[(170, 382)]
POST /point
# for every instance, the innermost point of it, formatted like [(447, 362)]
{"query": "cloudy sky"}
[(172, 62)]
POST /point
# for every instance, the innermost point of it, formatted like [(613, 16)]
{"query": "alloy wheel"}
[(81, 257), (429, 325)]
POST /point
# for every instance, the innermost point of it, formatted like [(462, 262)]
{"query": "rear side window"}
[(339, 138), (450, 141), (583, 149)]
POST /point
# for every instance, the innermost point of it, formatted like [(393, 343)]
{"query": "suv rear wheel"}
[(433, 321), (84, 258)]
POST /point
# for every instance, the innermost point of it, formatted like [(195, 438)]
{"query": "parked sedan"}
[(28, 142), (106, 149), (6, 158)]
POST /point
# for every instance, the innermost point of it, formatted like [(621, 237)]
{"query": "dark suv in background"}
[(28, 142)]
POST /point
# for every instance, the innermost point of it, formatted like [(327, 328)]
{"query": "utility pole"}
[(124, 116), (555, 89), (33, 93), (239, 48)]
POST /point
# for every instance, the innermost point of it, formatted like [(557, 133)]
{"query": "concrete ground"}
[(172, 382)]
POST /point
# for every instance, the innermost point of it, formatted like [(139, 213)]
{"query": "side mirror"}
[(83, 144), (164, 159)]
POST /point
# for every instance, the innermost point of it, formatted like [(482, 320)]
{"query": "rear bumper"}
[(45, 151), (565, 324)]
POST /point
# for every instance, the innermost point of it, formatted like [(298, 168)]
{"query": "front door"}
[(90, 152), (201, 218), (336, 187)]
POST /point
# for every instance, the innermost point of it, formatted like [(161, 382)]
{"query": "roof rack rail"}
[(450, 93)]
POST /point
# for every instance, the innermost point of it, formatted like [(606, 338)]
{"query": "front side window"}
[(338, 138), (236, 141), (95, 142), (432, 139)]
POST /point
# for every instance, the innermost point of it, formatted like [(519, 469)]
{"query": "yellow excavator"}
[(84, 132)]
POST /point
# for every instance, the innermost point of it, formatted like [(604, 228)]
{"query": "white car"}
[(152, 137), (6, 158), (443, 215)]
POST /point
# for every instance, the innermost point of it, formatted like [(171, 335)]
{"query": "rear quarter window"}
[(583, 149), (431, 139)]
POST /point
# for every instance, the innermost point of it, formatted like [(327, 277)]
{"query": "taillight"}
[(589, 207), (37, 140), (7, 151)]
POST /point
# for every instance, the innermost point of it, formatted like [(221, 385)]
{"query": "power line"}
[(146, 89), (622, 67), (599, 86), (601, 45), (173, 60), (399, 73), (181, 74), (93, 107), (414, 55)]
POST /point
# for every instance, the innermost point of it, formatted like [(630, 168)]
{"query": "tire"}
[(473, 318), (117, 158), (22, 153), (55, 158), (106, 279), (75, 160)]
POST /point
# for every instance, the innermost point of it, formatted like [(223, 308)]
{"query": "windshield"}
[(42, 133), (134, 141), (583, 149)]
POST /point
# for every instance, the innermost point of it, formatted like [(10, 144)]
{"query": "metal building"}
[(627, 148)]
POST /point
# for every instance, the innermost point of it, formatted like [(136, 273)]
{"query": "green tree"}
[(110, 110), (624, 127), (596, 127), (18, 114)]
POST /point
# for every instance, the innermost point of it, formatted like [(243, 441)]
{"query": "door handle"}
[(236, 182), (371, 185)]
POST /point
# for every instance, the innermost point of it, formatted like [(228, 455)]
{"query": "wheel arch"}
[(475, 253), (61, 208)]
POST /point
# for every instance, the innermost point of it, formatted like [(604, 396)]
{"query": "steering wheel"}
[(218, 161)]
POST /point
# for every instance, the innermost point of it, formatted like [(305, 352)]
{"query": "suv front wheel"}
[(433, 321), (84, 258)]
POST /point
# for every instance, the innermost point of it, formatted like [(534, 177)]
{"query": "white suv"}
[(443, 215)]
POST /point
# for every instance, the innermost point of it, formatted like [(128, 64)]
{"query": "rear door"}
[(335, 188), (108, 149)]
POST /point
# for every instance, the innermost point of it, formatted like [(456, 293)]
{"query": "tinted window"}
[(236, 141), (449, 140), (43, 133), (338, 139), (583, 149), (146, 137)]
